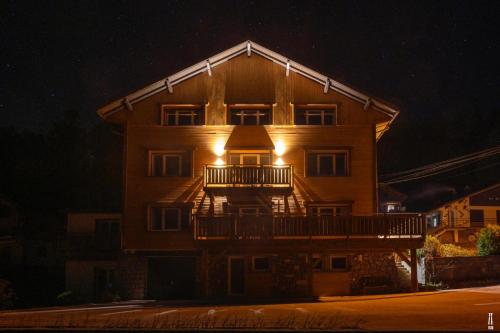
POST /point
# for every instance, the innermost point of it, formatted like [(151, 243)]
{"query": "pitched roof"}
[(466, 196), (249, 137), (245, 47)]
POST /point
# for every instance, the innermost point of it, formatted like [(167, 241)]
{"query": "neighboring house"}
[(459, 220), (390, 199), (248, 174), (93, 249)]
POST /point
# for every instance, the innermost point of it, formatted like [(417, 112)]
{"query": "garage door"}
[(171, 278)]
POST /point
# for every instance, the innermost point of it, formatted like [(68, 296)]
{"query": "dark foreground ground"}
[(463, 309)]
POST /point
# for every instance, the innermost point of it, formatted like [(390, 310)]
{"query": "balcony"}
[(216, 176), (230, 227)]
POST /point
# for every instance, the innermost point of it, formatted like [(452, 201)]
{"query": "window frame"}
[(163, 220), (183, 108), (336, 256), (333, 207), (170, 153), (478, 222), (320, 109), (250, 108), (268, 269), (328, 152)]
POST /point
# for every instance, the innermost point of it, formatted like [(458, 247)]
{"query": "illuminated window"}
[(327, 164), (165, 219), (182, 115), (166, 164), (250, 117), (261, 264), (316, 116)]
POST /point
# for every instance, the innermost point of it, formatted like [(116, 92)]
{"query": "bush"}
[(451, 250), (431, 246), (434, 248), (488, 242), (68, 298), (7, 295)]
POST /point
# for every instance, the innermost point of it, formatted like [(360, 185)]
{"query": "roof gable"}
[(247, 47)]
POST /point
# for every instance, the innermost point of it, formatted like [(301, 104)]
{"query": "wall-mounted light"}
[(219, 161), (219, 148), (279, 147)]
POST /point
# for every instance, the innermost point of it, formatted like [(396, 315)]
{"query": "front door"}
[(236, 276)]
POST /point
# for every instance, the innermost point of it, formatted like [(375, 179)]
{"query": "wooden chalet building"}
[(459, 220), (248, 174)]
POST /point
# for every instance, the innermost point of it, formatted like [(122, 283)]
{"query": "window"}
[(165, 164), (261, 264), (165, 219), (182, 115), (250, 159), (330, 210), (476, 217), (249, 116), (317, 263), (313, 116), (327, 164), (107, 227), (338, 263)]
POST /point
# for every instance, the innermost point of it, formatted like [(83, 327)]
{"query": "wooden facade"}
[(459, 220), (265, 177)]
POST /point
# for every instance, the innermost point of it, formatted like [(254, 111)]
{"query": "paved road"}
[(463, 309)]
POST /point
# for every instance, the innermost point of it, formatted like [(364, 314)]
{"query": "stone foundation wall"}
[(455, 271), (132, 276), (373, 269), (290, 275)]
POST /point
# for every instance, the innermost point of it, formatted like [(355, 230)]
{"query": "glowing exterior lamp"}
[(279, 161), (279, 148), (219, 161), (219, 148)]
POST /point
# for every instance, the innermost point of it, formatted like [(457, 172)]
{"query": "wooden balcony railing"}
[(248, 175), (306, 227)]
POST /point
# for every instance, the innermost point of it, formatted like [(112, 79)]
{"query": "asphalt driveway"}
[(461, 309)]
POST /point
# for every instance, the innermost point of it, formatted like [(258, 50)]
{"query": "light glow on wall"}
[(279, 148), (219, 148), (219, 161), (279, 161)]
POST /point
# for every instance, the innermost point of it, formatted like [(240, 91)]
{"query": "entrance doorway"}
[(171, 278), (236, 276)]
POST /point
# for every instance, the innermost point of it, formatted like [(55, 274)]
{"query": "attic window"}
[(250, 114), (182, 115), (311, 114)]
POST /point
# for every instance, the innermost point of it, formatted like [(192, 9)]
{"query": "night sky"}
[(436, 60)]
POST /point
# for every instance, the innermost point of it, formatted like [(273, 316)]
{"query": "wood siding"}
[(239, 81)]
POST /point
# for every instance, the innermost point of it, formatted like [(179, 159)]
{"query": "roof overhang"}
[(246, 47)]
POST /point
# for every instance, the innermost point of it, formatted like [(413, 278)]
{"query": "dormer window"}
[(182, 115), (253, 114), (312, 114)]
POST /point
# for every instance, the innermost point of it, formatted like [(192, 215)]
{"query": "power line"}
[(440, 167)]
